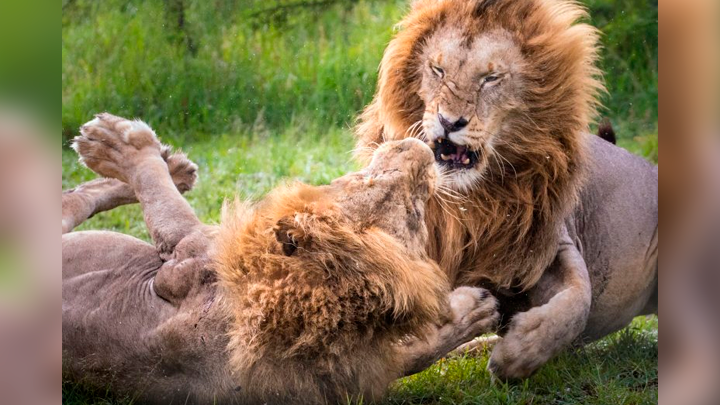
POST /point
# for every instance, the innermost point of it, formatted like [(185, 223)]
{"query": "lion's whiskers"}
[(505, 159), (415, 130), (445, 208), (452, 194), (449, 192), (492, 152), (359, 149)]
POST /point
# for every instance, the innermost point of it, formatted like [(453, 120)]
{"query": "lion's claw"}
[(525, 347), (183, 170)]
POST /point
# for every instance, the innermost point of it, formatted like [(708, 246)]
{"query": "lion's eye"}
[(439, 72), (490, 78)]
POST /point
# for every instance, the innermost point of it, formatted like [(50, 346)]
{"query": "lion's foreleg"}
[(168, 215), (536, 336), (473, 313), (130, 151)]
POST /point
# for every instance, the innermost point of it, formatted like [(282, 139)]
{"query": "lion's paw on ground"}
[(523, 350)]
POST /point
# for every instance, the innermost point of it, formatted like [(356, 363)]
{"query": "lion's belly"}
[(118, 333), (616, 227), (108, 304)]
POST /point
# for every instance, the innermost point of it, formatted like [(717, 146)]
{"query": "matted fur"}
[(324, 321), (506, 232)]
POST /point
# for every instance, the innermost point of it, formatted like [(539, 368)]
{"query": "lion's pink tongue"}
[(460, 155)]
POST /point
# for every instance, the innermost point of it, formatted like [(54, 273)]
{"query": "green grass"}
[(620, 369), (128, 59)]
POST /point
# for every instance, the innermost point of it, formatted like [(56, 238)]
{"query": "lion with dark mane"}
[(559, 224)]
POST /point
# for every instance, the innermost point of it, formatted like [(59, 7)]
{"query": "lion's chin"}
[(463, 180)]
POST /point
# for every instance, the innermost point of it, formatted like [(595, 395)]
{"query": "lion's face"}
[(392, 192), (378, 212), (503, 91), (387, 197), (469, 85)]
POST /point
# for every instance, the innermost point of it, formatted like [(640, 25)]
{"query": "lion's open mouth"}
[(454, 156)]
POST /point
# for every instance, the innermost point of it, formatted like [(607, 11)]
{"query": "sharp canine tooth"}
[(466, 161), (444, 157)]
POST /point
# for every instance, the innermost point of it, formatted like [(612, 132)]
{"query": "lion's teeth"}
[(445, 157), (466, 161)]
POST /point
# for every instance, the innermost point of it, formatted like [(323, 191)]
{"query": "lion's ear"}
[(290, 235)]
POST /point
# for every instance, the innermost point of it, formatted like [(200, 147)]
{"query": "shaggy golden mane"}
[(505, 233), (330, 312)]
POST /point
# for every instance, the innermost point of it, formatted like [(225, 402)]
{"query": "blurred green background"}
[(193, 68), (257, 92)]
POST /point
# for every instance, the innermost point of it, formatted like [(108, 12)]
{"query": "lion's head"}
[(324, 281), (503, 91)]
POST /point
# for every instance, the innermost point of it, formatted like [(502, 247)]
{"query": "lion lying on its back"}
[(314, 295), (561, 226)]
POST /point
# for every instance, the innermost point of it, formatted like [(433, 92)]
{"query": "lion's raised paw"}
[(111, 145), (121, 131), (183, 170)]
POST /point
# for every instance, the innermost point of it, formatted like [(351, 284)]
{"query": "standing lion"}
[(559, 224)]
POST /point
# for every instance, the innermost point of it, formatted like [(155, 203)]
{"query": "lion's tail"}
[(606, 131)]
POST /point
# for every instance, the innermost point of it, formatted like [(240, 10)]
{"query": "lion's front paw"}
[(183, 170), (111, 146), (474, 312), (526, 347)]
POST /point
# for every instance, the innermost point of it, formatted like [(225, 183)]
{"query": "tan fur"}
[(315, 321), (506, 232)]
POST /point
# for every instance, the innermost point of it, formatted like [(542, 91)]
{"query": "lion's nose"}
[(452, 126)]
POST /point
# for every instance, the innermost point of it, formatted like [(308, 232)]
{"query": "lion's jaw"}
[(391, 193), (470, 86)]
